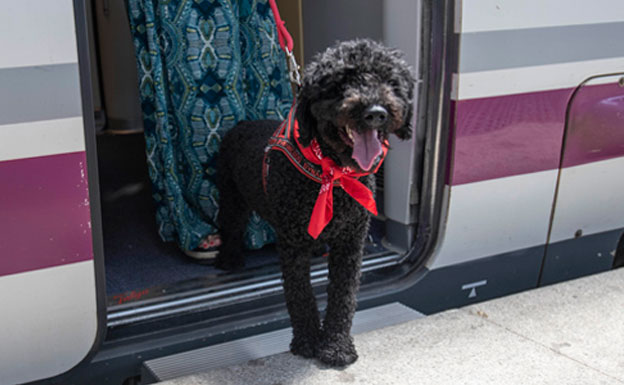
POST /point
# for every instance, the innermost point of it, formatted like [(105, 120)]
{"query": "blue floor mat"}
[(137, 258)]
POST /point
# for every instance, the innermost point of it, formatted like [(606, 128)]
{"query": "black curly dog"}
[(352, 95)]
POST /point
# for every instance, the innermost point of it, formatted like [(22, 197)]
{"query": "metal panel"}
[(509, 48), (540, 46), (589, 212), (118, 66), (48, 279), (261, 345), (578, 257), (36, 32), (510, 121), (41, 138), (402, 169), (48, 321), (589, 198), (493, 15), (29, 94), (495, 217), (475, 281)]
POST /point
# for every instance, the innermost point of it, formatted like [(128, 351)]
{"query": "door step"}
[(261, 345)]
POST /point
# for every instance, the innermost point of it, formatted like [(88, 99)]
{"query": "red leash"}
[(286, 42)]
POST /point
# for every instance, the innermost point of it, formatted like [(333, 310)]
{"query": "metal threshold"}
[(215, 297)]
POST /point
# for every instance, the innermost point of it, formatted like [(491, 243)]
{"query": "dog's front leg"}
[(300, 300), (345, 260)]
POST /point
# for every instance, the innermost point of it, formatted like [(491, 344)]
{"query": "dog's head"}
[(353, 96)]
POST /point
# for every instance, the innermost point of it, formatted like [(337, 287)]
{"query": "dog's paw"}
[(229, 263), (337, 351), (304, 347)]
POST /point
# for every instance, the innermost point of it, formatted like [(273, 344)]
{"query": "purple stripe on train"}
[(45, 217), (596, 125), (523, 133)]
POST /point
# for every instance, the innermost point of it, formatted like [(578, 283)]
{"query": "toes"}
[(303, 347), (337, 352)]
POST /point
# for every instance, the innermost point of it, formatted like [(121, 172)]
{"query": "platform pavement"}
[(568, 333)]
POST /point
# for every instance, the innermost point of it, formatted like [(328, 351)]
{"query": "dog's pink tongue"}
[(366, 148)]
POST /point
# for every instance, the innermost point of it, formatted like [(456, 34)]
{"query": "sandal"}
[(207, 250)]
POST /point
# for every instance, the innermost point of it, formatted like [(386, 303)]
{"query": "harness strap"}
[(282, 141)]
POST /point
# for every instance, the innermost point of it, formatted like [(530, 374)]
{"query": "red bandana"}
[(344, 177)]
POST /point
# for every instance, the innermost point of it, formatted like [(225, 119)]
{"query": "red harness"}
[(323, 170)]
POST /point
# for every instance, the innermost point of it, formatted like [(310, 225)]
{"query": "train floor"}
[(136, 259)]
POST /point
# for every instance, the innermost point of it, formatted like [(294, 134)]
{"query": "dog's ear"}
[(407, 83), (306, 119), (405, 131)]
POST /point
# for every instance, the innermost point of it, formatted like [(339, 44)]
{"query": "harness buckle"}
[(293, 68)]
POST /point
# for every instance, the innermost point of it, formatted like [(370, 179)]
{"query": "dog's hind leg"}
[(300, 300), (345, 259), (232, 219)]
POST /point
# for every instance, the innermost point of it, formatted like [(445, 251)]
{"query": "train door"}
[(588, 217), (50, 311), (517, 71)]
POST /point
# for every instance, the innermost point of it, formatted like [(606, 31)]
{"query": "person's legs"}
[(203, 66), (188, 57)]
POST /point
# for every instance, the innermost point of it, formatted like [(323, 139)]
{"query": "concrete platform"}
[(569, 333)]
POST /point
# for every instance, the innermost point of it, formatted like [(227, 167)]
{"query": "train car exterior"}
[(525, 103)]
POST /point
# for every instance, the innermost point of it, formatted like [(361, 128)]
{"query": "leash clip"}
[(293, 68)]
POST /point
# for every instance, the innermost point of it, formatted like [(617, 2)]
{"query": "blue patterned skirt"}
[(203, 67)]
